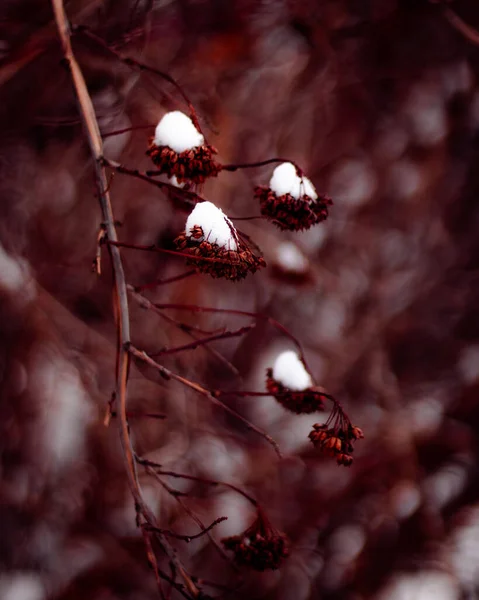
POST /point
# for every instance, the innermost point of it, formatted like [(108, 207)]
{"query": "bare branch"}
[(167, 374), (203, 341), (461, 26), (92, 131)]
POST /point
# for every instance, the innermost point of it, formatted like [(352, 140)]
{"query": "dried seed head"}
[(191, 165), (260, 547), (336, 437)]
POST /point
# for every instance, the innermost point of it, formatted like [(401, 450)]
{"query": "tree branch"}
[(92, 131)]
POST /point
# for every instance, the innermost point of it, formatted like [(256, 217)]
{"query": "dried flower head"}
[(291, 384), (213, 245), (290, 201), (260, 547), (336, 436), (179, 149)]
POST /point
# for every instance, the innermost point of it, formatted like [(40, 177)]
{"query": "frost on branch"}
[(291, 384), (290, 201), (179, 149), (213, 245)]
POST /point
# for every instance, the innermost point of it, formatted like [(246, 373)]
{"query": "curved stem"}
[(188, 198), (202, 341), (132, 62), (167, 374), (242, 313), (90, 123), (461, 26), (125, 130), (146, 286), (213, 482), (260, 163)]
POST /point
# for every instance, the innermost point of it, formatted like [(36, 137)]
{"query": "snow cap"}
[(285, 180), (290, 372), (177, 131), (217, 228)]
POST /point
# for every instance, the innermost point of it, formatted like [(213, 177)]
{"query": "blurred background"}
[(378, 101)]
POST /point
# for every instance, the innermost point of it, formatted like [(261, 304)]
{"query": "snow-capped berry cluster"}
[(260, 547), (290, 201), (213, 245), (291, 384), (179, 149)]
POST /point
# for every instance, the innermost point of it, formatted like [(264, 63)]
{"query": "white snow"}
[(353, 181), (66, 408), (22, 585), (177, 131), (291, 259), (285, 180), (290, 372), (217, 228), (422, 585)]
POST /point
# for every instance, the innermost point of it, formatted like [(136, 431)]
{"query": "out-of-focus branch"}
[(212, 482), (241, 313), (461, 26), (191, 330), (202, 341)]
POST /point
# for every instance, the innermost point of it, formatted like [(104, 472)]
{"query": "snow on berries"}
[(179, 149), (213, 245), (292, 386), (290, 201)]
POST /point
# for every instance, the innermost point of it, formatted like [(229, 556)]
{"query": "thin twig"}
[(261, 163), (174, 494), (203, 341), (126, 130), (146, 286), (190, 330), (461, 26), (193, 536), (212, 482), (241, 313), (188, 198), (132, 62), (167, 374)]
